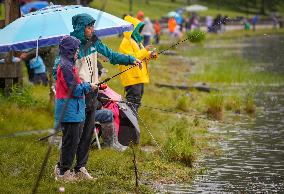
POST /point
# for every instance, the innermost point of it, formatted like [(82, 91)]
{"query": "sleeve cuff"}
[(87, 87), (131, 59), (145, 53)]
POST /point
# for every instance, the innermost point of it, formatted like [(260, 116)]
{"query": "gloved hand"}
[(94, 86), (154, 55), (103, 86)]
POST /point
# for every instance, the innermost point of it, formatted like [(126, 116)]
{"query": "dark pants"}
[(134, 94), (77, 138), (157, 38), (40, 78), (30, 71), (88, 131), (147, 40), (70, 141)]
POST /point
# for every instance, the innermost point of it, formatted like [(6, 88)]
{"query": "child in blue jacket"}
[(70, 108)]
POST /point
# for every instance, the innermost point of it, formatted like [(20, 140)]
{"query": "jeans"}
[(104, 116), (88, 131)]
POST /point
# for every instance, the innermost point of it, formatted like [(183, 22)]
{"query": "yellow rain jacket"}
[(131, 47)]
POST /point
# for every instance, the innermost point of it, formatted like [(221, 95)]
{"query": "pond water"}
[(252, 159)]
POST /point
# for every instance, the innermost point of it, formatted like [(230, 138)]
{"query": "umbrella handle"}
[(37, 46)]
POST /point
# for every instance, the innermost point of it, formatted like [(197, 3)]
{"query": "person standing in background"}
[(172, 25), (140, 16), (157, 28), (147, 31)]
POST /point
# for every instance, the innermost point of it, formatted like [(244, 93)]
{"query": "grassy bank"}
[(157, 8), (182, 138), (22, 155)]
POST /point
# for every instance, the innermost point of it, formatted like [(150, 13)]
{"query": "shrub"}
[(250, 104), (179, 145), (196, 36), (183, 103), (215, 105), (22, 96), (234, 103)]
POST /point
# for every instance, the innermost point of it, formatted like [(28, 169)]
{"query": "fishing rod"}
[(109, 78), (57, 129), (194, 38)]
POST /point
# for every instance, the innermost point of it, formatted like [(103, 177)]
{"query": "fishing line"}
[(156, 108), (148, 130)]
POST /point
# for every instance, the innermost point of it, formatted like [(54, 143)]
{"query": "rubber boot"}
[(110, 138)]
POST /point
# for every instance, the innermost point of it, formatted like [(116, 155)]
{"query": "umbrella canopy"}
[(172, 14), (47, 26), (196, 8), (127, 127), (33, 5)]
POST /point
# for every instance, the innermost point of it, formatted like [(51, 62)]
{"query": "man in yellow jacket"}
[(134, 79)]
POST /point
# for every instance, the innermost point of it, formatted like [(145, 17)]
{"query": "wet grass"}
[(28, 109), (250, 107), (182, 138), (155, 9), (2, 11), (215, 105), (234, 103), (180, 144)]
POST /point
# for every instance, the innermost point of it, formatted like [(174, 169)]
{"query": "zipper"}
[(78, 106)]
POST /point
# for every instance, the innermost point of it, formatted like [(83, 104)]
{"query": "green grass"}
[(180, 144), (157, 8), (223, 11), (215, 105), (182, 140), (26, 109), (154, 10), (234, 103), (2, 11)]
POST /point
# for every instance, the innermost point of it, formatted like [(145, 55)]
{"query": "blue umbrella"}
[(47, 26), (35, 4)]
